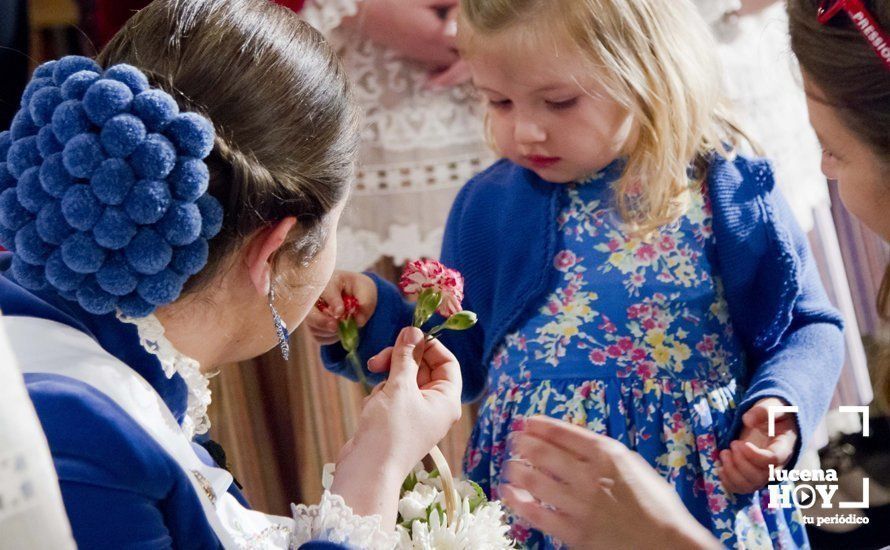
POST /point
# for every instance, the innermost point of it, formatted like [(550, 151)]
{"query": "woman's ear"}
[(262, 247)]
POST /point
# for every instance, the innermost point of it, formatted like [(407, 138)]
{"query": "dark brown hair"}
[(851, 77), (278, 98)]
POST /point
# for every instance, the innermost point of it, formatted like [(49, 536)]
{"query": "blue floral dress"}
[(634, 341)]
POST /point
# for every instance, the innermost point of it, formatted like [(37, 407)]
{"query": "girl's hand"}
[(413, 28), (746, 463), (402, 419), (590, 491), (323, 324)]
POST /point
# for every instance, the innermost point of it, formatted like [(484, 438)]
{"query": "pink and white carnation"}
[(429, 275)]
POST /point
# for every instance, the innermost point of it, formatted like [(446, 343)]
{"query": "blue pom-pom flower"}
[(106, 98), (103, 188), (77, 84), (112, 181), (129, 75)]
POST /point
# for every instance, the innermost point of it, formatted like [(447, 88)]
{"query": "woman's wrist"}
[(369, 486)]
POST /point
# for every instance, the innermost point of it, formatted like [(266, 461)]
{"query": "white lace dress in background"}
[(418, 148), (31, 511)]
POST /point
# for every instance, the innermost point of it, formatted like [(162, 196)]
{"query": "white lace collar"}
[(152, 339)]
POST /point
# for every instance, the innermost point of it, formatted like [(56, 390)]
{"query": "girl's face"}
[(546, 111), (861, 176)]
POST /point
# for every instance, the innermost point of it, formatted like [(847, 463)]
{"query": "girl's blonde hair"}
[(657, 59)]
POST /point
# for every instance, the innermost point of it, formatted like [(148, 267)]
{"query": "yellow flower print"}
[(661, 355), (655, 338), (682, 352)]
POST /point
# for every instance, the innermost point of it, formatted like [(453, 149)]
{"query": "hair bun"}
[(103, 188)]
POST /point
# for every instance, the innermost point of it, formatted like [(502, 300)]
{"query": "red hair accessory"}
[(863, 20)]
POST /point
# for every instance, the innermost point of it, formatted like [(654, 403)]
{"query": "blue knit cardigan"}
[(502, 235)]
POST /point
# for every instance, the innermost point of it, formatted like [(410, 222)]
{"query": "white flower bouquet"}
[(424, 524)]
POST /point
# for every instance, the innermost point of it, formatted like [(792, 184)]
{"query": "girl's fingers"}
[(757, 456), (753, 474), (733, 479)]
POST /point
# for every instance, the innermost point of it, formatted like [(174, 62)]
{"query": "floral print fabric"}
[(634, 341)]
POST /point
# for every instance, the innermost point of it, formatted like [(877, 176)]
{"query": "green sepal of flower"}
[(461, 320), (478, 499), (348, 332), (409, 483), (427, 303)]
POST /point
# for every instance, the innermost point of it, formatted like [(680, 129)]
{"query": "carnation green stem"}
[(356, 363), (447, 484)]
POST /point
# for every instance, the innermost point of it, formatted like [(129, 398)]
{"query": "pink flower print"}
[(706, 345), (646, 253), (614, 351), (597, 357), (553, 307), (649, 324), (633, 312), (638, 354), (645, 370), (585, 390), (474, 458), (517, 425), (518, 532), (625, 344), (667, 243), (608, 326), (565, 260), (614, 245), (638, 279)]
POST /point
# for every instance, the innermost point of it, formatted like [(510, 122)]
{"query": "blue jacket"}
[(120, 488), (502, 235)]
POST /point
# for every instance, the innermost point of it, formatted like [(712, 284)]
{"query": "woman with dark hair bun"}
[(170, 208)]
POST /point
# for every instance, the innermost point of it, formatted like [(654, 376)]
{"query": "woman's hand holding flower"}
[(401, 421)]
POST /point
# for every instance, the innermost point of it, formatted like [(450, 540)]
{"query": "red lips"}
[(539, 161)]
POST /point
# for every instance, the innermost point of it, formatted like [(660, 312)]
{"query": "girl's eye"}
[(565, 104), (499, 103)]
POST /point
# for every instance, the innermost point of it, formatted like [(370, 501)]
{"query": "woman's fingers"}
[(550, 459), (597, 451), (380, 362), (540, 516), (406, 356), (542, 486)]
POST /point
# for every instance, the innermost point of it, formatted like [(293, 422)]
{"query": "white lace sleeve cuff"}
[(332, 520), (326, 15)]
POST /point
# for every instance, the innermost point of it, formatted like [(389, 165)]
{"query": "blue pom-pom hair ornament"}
[(103, 188)]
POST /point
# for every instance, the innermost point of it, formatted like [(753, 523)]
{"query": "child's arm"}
[(393, 312), (801, 370)]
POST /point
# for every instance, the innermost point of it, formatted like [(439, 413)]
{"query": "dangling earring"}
[(280, 326)]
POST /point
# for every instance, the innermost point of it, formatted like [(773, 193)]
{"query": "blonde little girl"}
[(632, 272)]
